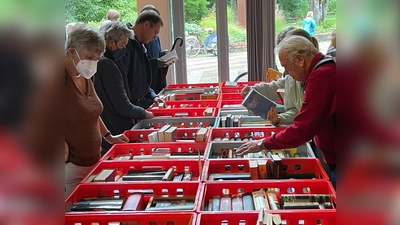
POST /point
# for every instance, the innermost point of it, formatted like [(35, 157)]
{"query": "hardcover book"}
[(170, 57), (258, 103)]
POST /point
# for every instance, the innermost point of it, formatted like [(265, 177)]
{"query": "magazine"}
[(170, 57)]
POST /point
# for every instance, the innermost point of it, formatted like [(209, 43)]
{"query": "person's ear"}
[(300, 59), (70, 52), (147, 24)]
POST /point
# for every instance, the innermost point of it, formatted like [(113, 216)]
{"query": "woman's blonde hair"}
[(310, 14)]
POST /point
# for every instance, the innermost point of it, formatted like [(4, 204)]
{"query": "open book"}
[(170, 57), (258, 103)]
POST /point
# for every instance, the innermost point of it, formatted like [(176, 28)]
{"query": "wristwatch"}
[(260, 144)]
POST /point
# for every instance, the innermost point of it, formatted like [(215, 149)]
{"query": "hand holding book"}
[(272, 116)]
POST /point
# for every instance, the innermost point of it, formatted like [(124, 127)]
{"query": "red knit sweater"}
[(82, 132), (315, 117)]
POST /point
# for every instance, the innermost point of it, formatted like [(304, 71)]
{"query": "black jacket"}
[(136, 67), (159, 80), (113, 90)]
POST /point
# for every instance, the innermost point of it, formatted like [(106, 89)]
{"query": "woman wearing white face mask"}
[(84, 128)]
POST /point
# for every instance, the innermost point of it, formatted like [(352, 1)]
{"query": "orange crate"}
[(289, 165), (212, 189), (123, 167), (291, 218), (134, 136), (128, 218), (258, 132), (148, 148), (183, 112), (190, 190)]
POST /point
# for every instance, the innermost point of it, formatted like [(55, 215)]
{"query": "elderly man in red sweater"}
[(316, 118)]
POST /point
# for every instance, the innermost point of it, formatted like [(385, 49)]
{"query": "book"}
[(258, 103), (169, 58)]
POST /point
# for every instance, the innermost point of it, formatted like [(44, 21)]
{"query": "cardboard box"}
[(201, 135), (171, 134), (161, 132)]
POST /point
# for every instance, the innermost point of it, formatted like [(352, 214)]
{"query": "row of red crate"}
[(293, 166), (223, 86), (201, 193), (255, 133), (194, 150), (250, 218)]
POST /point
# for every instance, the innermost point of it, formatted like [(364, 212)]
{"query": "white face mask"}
[(87, 68)]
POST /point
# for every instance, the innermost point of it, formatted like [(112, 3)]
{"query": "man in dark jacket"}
[(135, 63), (159, 69), (317, 116)]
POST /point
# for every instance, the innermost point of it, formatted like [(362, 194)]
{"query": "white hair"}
[(84, 37), (297, 45), (116, 30)]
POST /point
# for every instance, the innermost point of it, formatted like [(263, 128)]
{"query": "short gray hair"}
[(84, 37), (115, 30), (297, 45)]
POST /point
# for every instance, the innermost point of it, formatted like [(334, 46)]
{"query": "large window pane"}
[(201, 46)]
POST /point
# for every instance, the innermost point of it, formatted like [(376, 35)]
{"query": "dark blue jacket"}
[(136, 67), (154, 52)]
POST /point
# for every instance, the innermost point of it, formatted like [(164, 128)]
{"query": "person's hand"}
[(248, 147), (161, 64), (120, 138), (149, 115), (245, 90), (158, 100), (272, 116)]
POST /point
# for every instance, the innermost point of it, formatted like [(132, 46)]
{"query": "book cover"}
[(170, 57), (258, 103)]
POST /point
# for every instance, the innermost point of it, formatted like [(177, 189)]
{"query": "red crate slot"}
[(183, 112), (141, 135), (256, 133), (194, 96), (186, 190), (122, 168), (250, 218), (149, 148), (202, 85), (295, 166), (212, 189), (184, 122), (129, 219), (227, 103), (241, 84), (188, 104), (231, 96)]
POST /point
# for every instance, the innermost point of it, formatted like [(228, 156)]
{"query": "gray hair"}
[(116, 30), (297, 45), (84, 37)]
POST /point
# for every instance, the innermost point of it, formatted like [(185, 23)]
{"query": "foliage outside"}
[(294, 9), (94, 12)]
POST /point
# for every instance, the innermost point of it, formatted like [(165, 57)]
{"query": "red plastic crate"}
[(188, 104), (191, 112), (241, 84), (182, 122), (262, 132), (123, 167), (289, 165), (285, 187), (134, 135), (147, 148), (173, 189), (128, 218), (223, 103), (291, 218), (179, 86), (231, 96), (192, 97)]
